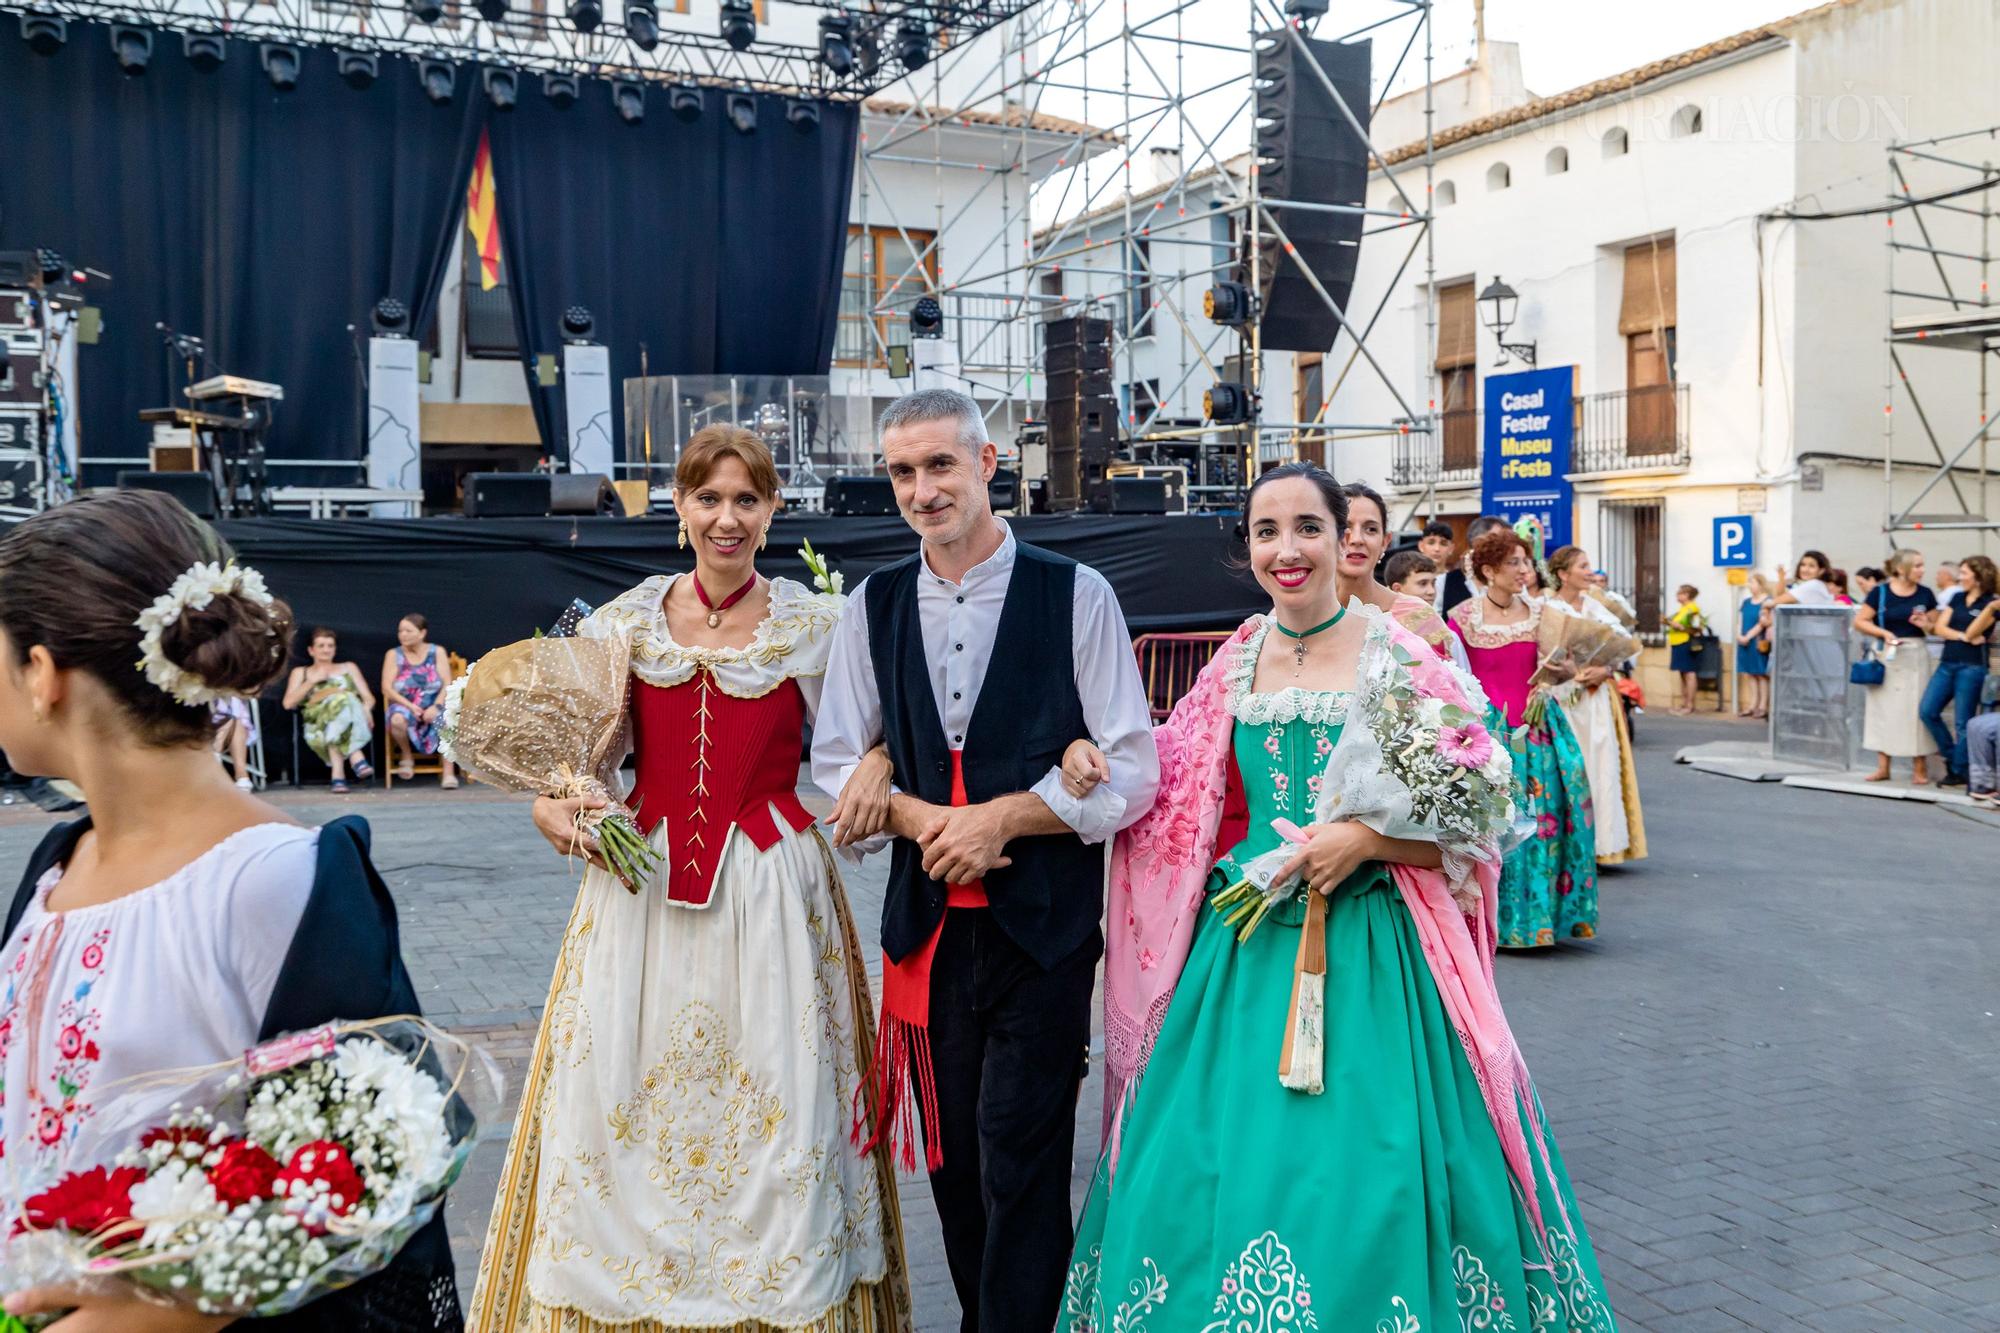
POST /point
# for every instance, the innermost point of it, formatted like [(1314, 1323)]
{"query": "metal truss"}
[(1163, 88), (1940, 218), (533, 39)]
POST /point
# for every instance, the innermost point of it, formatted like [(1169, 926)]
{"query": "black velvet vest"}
[(1049, 901)]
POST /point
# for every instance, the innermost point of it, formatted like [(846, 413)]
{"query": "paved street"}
[(1775, 1075)]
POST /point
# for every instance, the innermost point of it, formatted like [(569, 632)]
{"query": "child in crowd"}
[(1412, 573), (1684, 627)]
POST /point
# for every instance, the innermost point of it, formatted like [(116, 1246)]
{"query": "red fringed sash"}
[(903, 1084)]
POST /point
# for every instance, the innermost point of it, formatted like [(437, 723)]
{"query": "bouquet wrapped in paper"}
[(272, 1180), (546, 715), (1568, 643)]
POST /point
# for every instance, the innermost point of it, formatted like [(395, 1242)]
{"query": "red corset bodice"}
[(708, 762)]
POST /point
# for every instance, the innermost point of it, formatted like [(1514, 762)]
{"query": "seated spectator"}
[(414, 676), (1412, 574), (235, 722), (337, 705)]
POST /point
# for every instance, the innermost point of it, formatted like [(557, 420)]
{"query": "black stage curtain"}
[(720, 251), (265, 222)]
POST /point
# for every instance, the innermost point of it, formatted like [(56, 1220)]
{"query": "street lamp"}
[(1497, 304)]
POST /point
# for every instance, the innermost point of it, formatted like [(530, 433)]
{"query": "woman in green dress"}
[(337, 707), (1321, 1122)]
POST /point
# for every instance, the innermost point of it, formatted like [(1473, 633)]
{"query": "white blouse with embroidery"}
[(1470, 616), (791, 641), (176, 975)]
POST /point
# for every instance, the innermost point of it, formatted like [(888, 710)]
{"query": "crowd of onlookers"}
[(1933, 695), (337, 708)]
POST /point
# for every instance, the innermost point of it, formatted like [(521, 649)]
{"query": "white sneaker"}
[(245, 784)]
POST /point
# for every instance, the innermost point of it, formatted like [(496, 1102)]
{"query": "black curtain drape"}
[(263, 221), (720, 251)]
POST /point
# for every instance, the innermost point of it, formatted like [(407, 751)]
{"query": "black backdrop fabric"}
[(264, 222), (720, 251)]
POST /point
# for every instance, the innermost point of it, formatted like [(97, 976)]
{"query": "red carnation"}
[(178, 1135), (96, 1202), (245, 1174), (324, 1162)]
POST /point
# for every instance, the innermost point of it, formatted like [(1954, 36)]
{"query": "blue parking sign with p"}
[(1733, 546)]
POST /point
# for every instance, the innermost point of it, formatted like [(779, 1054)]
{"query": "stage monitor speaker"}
[(1309, 153), (862, 495), (1145, 495), (507, 495), (193, 489), (1004, 491), (584, 493)]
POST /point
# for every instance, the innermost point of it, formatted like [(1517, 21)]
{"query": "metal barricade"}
[(1815, 712), (1168, 664)]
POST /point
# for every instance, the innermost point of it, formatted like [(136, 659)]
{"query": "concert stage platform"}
[(484, 582)]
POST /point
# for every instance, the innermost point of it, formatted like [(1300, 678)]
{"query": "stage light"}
[(390, 318), (913, 43), (1226, 403), (44, 33), (493, 11), (642, 24), (684, 100), (868, 50), (577, 325), (802, 114), (427, 11), (927, 318), (503, 86), (1227, 303), (204, 50), (585, 15), (741, 108), (561, 90), (357, 69), (133, 47), (739, 24), (281, 64), (1306, 9), (439, 80), (836, 43), (628, 98)]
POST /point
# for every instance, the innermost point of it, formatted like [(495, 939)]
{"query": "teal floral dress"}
[(1548, 887), (1383, 1203)]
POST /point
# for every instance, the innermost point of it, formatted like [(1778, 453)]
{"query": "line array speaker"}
[(1307, 152), (1082, 411)]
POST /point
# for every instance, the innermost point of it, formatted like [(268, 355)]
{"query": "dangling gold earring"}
[(764, 539), (41, 713), (684, 534)]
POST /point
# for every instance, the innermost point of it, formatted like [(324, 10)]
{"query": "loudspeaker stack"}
[(1082, 410), (1307, 152)]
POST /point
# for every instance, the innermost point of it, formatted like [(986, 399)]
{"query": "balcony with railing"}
[(1627, 430)]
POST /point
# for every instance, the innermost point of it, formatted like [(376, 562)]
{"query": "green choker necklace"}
[(1299, 637)]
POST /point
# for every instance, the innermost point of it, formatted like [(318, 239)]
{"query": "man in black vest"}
[(976, 662)]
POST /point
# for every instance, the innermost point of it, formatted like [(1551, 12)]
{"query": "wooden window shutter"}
[(1458, 327), (1649, 300)]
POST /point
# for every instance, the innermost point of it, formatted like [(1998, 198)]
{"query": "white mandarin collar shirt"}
[(960, 623)]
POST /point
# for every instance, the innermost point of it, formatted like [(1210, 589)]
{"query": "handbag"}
[(1989, 690), (1871, 670)]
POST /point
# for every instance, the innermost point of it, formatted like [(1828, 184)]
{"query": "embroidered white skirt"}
[(1590, 717), (1890, 724), (682, 1157)]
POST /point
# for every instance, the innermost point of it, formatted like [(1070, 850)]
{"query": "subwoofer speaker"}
[(583, 493), (192, 489), (507, 495), (1308, 153)]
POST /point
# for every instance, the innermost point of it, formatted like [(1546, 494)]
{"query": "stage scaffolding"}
[(1145, 77), (1940, 222)]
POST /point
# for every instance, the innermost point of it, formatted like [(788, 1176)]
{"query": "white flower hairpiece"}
[(192, 591)]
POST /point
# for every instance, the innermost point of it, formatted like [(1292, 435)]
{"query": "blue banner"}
[(1529, 426)]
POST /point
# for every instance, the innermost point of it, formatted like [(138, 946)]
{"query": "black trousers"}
[(1009, 1040)]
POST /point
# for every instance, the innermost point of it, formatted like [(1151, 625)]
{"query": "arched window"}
[(1446, 194), (1687, 122), (1557, 162), (1616, 143), (1498, 177)]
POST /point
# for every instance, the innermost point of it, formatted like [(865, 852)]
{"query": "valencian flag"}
[(481, 219)]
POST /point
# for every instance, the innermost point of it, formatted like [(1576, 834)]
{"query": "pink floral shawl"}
[(1159, 873)]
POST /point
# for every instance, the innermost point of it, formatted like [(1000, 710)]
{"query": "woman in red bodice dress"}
[(683, 1156)]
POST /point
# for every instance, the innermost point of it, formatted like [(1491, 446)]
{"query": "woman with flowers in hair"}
[(1316, 1115), (182, 921), (1548, 891)]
